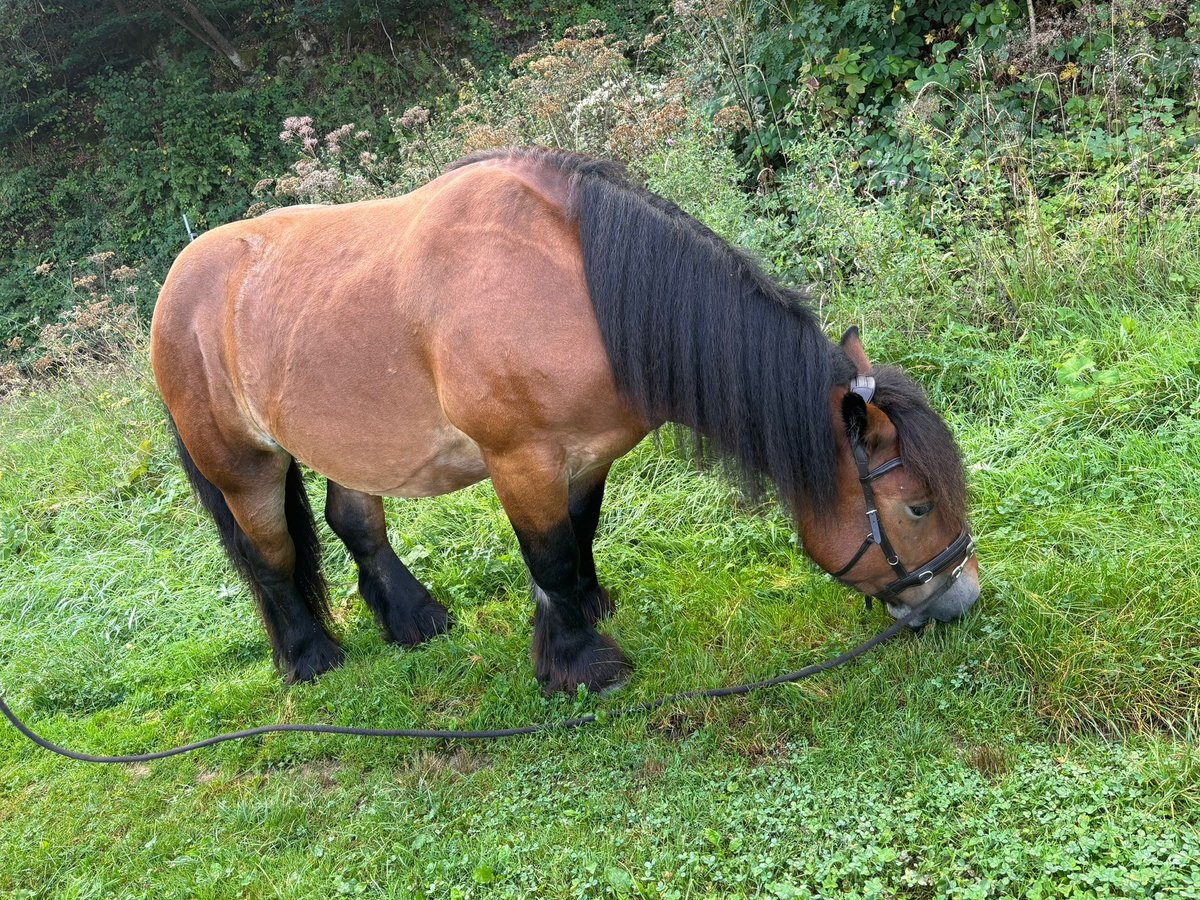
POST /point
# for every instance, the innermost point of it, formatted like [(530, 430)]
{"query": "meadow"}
[(1040, 283), (1044, 746)]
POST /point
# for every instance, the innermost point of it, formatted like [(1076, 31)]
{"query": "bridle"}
[(959, 551)]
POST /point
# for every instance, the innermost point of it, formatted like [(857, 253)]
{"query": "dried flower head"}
[(414, 117), (732, 118)]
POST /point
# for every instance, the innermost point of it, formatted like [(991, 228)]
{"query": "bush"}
[(1095, 87)]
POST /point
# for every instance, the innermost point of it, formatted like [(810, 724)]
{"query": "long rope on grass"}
[(487, 734)]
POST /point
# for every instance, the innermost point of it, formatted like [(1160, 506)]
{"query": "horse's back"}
[(389, 344)]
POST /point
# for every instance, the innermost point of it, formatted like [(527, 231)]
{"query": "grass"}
[(1045, 746)]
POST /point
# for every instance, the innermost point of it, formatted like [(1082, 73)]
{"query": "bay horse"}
[(529, 316)]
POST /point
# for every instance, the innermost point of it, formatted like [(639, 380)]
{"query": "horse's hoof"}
[(599, 665), (597, 604), (412, 627), (314, 661)]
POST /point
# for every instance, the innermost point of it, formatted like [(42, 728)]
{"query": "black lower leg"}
[(567, 649), (585, 501), (405, 610), (291, 599), (301, 644)]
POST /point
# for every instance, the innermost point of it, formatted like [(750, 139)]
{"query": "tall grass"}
[(1046, 743)]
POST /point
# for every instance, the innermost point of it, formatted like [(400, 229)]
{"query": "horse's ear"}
[(866, 424), (853, 348), (854, 414)]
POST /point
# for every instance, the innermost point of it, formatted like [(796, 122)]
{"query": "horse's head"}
[(900, 530)]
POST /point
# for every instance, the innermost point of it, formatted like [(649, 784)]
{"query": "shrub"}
[(101, 329)]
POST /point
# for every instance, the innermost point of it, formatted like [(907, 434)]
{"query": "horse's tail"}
[(300, 522)]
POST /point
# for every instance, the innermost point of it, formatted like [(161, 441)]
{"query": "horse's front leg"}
[(533, 486), (586, 495)]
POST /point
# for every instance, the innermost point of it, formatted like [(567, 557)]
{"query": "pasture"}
[(1011, 220), (1044, 746)]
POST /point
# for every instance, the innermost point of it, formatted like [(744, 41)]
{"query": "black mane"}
[(697, 334)]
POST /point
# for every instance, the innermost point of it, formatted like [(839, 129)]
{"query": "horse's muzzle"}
[(953, 604)]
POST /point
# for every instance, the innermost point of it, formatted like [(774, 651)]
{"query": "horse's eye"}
[(918, 511)]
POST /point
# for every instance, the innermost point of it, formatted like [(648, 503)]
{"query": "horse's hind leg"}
[(567, 649), (586, 495), (266, 526), (405, 610)]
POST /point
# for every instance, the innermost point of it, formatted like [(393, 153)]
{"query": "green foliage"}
[(116, 121), (1045, 746), (1102, 86), (862, 57)]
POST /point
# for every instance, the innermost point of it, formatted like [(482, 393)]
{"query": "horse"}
[(528, 316)]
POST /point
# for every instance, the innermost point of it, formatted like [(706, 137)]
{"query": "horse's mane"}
[(697, 334), (929, 451)]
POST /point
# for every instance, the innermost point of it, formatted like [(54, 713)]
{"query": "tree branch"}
[(215, 40)]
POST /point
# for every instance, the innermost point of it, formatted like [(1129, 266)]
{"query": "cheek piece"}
[(957, 554)]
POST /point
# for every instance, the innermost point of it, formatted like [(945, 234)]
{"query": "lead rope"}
[(455, 735)]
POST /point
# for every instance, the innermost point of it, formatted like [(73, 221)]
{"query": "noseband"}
[(960, 550)]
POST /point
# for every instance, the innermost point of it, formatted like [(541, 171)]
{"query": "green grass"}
[(1045, 746)]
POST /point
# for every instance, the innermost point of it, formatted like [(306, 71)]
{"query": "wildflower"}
[(414, 117), (102, 258), (44, 269), (124, 273), (84, 282), (333, 140), (296, 127), (15, 344), (1069, 72)]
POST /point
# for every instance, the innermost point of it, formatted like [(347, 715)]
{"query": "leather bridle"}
[(960, 550)]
